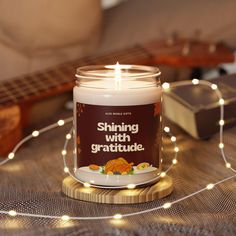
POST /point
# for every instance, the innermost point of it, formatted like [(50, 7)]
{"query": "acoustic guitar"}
[(19, 94)]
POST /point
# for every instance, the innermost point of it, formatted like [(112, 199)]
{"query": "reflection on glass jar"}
[(117, 118)]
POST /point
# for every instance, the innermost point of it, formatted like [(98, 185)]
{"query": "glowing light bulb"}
[(68, 136), (166, 205), (228, 165), (221, 122), (163, 174), (210, 186), (11, 155), (165, 86), (35, 133), (63, 152), (195, 81), (174, 161), (61, 122), (12, 213), (131, 186), (221, 145), (66, 169), (214, 86), (173, 138), (87, 185), (117, 216), (65, 217), (221, 101), (167, 129), (176, 149)]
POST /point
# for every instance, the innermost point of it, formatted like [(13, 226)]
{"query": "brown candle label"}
[(116, 139)]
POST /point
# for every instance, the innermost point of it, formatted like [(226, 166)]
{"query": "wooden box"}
[(196, 109)]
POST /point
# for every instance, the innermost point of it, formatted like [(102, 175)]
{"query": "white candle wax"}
[(127, 94)]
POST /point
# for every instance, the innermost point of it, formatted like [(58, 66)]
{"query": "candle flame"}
[(117, 76), (117, 71)]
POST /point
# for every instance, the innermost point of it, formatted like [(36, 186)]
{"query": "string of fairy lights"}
[(129, 186), (117, 216)]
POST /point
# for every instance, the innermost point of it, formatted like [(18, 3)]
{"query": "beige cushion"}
[(38, 34)]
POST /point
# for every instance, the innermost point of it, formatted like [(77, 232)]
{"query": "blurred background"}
[(43, 42), (35, 35)]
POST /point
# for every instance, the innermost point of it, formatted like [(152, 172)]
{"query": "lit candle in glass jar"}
[(117, 124)]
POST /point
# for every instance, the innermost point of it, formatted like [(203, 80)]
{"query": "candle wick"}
[(117, 76)]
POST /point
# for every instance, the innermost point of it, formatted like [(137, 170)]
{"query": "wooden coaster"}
[(76, 190)]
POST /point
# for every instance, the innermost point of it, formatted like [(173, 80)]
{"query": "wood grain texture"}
[(76, 190), (10, 128)]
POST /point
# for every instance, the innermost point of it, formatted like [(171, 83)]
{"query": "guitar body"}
[(10, 128)]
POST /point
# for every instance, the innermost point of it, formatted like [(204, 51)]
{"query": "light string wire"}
[(35, 134), (166, 87), (221, 102), (129, 186)]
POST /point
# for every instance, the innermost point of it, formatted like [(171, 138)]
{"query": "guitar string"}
[(123, 54), (35, 87), (28, 78), (177, 84), (140, 50)]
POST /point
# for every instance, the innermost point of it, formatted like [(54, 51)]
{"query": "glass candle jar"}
[(117, 120)]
